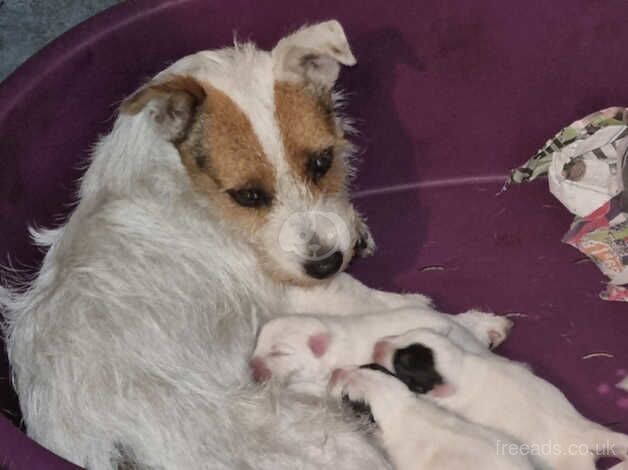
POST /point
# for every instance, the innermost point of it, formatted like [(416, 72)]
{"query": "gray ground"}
[(28, 25)]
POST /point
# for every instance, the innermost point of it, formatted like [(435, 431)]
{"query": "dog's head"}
[(423, 359), (262, 139), (291, 348)]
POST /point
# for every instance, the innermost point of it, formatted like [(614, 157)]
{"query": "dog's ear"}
[(172, 103), (318, 344), (313, 55)]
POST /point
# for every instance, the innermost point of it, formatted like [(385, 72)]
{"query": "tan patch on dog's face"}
[(227, 166), (221, 154), (309, 133)]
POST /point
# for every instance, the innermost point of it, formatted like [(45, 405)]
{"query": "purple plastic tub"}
[(448, 95)]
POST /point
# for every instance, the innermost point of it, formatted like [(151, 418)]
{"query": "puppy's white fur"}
[(505, 395), (419, 435), (304, 349)]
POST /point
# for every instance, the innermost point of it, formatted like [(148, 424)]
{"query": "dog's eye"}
[(250, 197), (319, 163)]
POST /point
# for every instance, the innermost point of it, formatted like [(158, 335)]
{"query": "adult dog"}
[(218, 200)]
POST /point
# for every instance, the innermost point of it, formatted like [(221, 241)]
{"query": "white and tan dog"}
[(418, 434), (302, 350), (501, 394), (218, 200)]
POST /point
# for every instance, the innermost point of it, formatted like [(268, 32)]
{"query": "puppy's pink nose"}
[(259, 371), (380, 350)]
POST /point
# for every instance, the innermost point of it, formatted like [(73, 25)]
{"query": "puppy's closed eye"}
[(278, 354), (281, 350)]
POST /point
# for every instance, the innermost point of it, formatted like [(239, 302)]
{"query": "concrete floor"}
[(28, 25)]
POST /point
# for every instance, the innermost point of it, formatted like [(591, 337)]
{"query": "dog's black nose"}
[(322, 268)]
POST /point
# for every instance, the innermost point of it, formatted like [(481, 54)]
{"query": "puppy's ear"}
[(318, 344), (172, 102), (313, 55)]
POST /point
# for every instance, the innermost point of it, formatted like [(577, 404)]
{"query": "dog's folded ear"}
[(171, 101), (313, 55)]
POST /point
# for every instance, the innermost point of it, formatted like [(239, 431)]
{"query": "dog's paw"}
[(492, 330)]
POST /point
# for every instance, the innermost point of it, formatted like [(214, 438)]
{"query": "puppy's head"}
[(291, 349), (262, 139), (422, 359)]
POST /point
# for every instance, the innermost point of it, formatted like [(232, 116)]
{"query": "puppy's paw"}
[(489, 328), (348, 384)]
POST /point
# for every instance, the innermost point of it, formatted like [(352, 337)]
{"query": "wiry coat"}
[(131, 343)]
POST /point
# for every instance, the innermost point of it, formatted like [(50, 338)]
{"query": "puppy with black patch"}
[(501, 394), (416, 433), (302, 350)]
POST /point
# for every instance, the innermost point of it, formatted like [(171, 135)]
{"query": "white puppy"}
[(501, 394), (304, 349), (416, 433)]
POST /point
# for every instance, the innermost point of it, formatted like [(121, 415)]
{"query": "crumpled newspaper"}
[(586, 165)]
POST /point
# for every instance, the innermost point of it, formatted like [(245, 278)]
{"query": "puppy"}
[(501, 394), (416, 433), (304, 349)]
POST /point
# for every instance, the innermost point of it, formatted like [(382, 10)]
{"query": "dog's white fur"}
[(302, 350), (505, 395), (419, 435), (132, 341)]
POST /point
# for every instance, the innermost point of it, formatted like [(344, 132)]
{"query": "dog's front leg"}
[(345, 295)]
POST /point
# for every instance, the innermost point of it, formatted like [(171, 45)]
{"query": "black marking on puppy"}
[(414, 366), (378, 368)]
